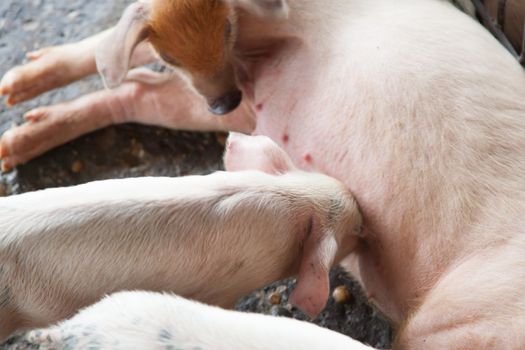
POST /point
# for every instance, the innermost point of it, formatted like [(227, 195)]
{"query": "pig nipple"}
[(308, 158)]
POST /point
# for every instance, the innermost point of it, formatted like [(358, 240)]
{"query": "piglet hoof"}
[(45, 71), (35, 115), (45, 128), (35, 55), (34, 340), (6, 145), (22, 143)]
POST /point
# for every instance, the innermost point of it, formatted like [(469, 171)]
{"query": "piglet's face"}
[(196, 36)]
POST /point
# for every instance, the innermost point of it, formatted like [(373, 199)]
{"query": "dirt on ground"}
[(135, 150)]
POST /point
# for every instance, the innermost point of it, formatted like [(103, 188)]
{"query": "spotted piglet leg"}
[(168, 103), (141, 320)]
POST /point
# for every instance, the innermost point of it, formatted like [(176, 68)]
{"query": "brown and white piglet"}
[(195, 36)]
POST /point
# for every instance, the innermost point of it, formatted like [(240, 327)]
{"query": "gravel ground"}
[(133, 150)]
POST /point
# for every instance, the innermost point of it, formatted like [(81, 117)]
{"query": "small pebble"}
[(73, 15), (77, 166), (137, 150), (275, 298), (221, 138), (30, 26), (342, 295)]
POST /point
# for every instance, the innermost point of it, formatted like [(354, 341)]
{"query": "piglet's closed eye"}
[(313, 285)]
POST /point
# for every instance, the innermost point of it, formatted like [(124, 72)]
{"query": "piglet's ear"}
[(313, 284), (255, 153), (114, 52), (263, 8)]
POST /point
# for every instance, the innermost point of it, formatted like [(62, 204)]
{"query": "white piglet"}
[(210, 238)]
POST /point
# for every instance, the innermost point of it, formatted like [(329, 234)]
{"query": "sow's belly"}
[(345, 128), (325, 144)]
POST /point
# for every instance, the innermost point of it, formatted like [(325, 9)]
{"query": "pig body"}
[(420, 112), (431, 143), (409, 129), (63, 249)]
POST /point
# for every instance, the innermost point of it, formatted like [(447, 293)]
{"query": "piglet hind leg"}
[(56, 66), (477, 305), (48, 127), (170, 103), (140, 320)]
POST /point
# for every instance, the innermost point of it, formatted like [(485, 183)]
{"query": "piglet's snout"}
[(226, 103)]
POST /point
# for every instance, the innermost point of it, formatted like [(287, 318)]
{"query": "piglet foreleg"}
[(147, 98)]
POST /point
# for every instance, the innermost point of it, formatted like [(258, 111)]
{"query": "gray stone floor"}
[(133, 150)]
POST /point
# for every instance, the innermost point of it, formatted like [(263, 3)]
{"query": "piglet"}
[(210, 238), (159, 321)]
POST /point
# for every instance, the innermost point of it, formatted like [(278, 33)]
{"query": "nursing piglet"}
[(210, 238)]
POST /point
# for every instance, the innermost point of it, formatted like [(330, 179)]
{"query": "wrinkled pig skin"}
[(412, 105)]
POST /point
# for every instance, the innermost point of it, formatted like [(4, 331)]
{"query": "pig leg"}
[(170, 104), (477, 305), (141, 320), (57, 66)]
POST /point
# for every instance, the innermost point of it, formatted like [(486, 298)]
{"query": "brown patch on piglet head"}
[(195, 36)]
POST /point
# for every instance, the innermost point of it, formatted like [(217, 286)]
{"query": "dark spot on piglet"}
[(165, 335), (69, 342)]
